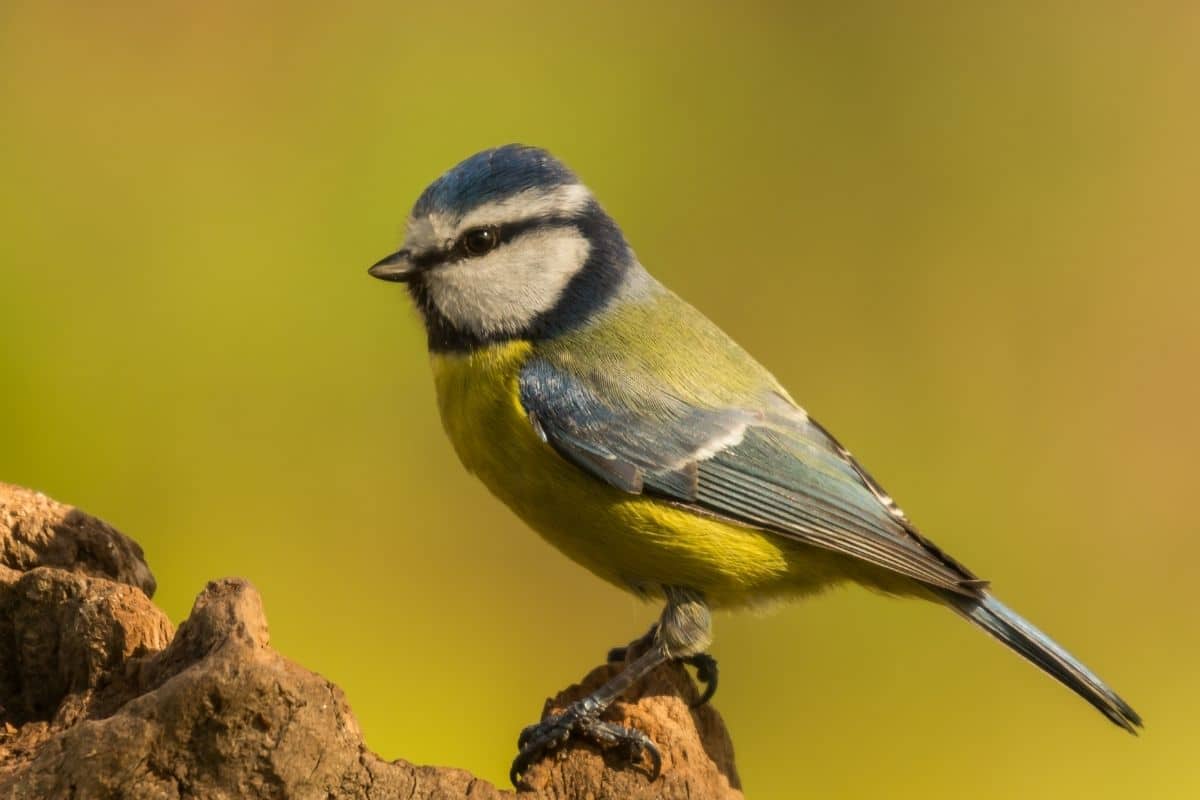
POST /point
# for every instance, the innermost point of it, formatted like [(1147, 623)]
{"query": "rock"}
[(36, 531), (69, 632), (101, 701)]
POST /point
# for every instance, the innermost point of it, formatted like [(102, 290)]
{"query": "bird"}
[(634, 435)]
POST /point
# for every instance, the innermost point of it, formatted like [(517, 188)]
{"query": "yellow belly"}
[(636, 542)]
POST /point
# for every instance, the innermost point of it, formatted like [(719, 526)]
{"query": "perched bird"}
[(639, 439)]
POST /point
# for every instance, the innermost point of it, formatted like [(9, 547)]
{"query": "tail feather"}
[(1010, 628)]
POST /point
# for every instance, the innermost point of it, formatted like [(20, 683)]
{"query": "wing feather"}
[(770, 467)]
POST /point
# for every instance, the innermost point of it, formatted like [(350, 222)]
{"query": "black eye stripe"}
[(506, 233)]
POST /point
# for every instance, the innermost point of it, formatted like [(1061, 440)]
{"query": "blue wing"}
[(770, 467)]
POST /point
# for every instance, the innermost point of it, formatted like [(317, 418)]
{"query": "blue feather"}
[(492, 175), (1009, 627)]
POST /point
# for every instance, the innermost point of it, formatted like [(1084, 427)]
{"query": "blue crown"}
[(492, 175)]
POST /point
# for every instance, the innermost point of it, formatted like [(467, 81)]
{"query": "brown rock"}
[(36, 531), (104, 704), (69, 632)]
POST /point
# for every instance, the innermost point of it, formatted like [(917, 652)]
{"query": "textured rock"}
[(69, 632), (36, 531), (99, 700)]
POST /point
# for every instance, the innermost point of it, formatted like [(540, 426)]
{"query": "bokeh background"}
[(965, 235)]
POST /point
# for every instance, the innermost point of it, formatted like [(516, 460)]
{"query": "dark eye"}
[(479, 241)]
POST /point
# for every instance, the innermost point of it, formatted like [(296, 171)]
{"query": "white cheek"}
[(504, 291)]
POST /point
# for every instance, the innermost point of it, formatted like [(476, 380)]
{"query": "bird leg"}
[(704, 664), (617, 655), (683, 631)]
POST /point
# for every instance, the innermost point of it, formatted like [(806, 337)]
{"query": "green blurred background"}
[(964, 235)]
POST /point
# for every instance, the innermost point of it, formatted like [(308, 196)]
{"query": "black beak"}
[(396, 267)]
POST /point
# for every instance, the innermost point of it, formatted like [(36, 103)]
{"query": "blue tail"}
[(1007, 626)]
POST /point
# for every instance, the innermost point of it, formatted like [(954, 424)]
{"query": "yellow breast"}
[(637, 542)]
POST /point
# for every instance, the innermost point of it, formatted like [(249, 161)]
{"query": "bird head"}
[(507, 244)]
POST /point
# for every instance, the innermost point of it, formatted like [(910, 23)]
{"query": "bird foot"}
[(577, 722), (706, 673)]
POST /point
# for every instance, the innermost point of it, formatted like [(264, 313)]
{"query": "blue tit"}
[(644, 443)]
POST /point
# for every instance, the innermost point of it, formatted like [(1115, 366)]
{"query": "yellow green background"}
[(965, 235)]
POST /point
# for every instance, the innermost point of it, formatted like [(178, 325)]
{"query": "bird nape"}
[(638, 438)]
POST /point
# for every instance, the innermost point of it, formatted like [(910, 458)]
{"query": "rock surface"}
[(99, 698)]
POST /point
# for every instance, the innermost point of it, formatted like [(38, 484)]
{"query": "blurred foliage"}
[(964, 235)]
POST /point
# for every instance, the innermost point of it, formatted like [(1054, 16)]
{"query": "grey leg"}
[(705, 665), (618, 654), (684, 630)]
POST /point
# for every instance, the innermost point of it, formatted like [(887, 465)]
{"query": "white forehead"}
[(439, 228)]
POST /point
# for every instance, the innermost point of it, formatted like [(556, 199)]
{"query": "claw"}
[(706, 673), (537, 740), (515, 772), (526, 733), (638, 743), (655, 760)]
